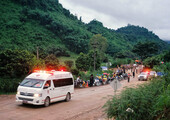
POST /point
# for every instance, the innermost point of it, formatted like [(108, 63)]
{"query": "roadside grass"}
[(9, 85), (140, 103)]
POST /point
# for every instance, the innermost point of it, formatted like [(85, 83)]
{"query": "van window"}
[(63, 82), (36, 83), (48, 83)]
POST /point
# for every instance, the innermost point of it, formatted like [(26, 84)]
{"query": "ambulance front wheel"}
[(47, 102)]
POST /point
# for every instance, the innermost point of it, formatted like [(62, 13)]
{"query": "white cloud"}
[(152, 14), (163, 33)]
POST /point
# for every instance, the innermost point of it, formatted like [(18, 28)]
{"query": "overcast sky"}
[(151, 14)]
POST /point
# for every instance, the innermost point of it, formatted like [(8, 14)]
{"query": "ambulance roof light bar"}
[(44, 71)]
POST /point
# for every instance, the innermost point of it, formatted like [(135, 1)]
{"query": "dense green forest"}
[(28, 24)]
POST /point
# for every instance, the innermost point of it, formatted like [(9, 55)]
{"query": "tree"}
[(51, 62), (86, 61), (145, 49), (16, 63), (154, 60), (82, 62), (57, 51), (69, 63), (91, 59), (167, 56), (74, 71), (98, 43)]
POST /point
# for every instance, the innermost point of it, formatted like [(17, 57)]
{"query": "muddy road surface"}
[(86, 104)]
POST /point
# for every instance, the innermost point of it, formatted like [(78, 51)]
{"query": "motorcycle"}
[(97, 82), (108, 81)]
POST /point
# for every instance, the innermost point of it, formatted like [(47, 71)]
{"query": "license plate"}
[(24, 101)]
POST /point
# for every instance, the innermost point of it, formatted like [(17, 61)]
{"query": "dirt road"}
[(86, 104)]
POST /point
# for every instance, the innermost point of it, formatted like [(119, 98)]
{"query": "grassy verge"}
[(149, 101), (9, 85)]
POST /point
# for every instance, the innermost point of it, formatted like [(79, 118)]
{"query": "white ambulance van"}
[(45, 87)]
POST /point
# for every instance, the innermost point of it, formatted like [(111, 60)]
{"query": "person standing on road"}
[(133, 71), (137, 70), (78, 82), (129, 77), (133, 74), (78, 79), (124, 71), (91, 80)]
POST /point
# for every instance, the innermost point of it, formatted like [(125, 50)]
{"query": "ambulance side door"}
[(47, 89), (56, 92)]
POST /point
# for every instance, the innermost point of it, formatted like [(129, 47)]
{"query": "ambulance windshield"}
[(36, 83)]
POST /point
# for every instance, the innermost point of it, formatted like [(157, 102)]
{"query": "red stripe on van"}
[(58, 97)]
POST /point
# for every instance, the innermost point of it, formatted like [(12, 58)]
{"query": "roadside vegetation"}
[(44, 35), (150, 101)]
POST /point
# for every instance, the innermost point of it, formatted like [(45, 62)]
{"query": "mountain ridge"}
[(26, 24)]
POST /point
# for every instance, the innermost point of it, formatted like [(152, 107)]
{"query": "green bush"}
[(16, 62), (51, 62), (141, 101), (82, 62), (86, 75), (57, 51), (74, 71), (9, 85), (69, 63), (162, 106), (119, 62)]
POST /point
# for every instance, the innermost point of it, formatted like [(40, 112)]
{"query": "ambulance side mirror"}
[(45, 87)]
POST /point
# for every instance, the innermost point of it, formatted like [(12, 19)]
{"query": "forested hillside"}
[(168, 42), (134, 34), (28, 24)]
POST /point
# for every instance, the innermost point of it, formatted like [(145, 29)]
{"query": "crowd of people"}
[(81, 83), (124, 72)]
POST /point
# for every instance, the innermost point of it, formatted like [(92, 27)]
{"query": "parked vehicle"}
[(104, 78), (45, 87), (108, 80), (143, 76), (153, 74), (161, 74), (125, 76), (120, 77), (97, 82)]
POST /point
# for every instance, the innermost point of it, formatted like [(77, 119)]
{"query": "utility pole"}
[(37, 53)]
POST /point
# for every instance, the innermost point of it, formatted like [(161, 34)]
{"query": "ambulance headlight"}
[(37, 95), (18, 93)]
